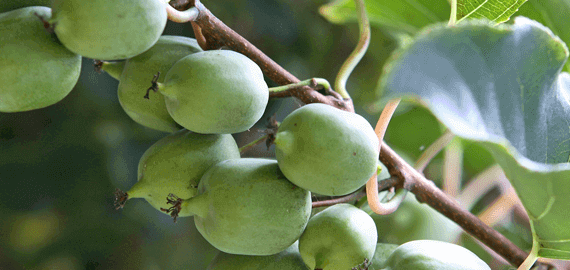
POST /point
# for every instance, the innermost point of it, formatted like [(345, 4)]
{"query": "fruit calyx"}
[(363, 266), (121, 198), (174, 210), (49, 27), (154, 86)]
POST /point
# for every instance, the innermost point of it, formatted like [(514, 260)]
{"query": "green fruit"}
[(289, 259), (433, 255), (414, 221), (338, 238), (215, 92), (381, 254), (176, 163), (114, 68), (326, 150), (37, 71), (246, 206), (8, 5), (108, 30), (136, 76)]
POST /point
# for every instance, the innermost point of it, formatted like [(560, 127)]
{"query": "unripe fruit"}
[(37, 71), (326, 150), (338, 238), (433, 255), (246, 206), (136, 76), (176, 163), (108, 30), (288, 259), (215, 92)]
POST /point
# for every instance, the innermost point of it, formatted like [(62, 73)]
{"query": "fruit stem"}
[(356, 55), (121, 198), (188, 15), (155, 85), (49, 27), (255, 142), (269, 136), (315, 83)]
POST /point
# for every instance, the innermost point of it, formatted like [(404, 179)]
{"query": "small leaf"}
[(497, 11), (501, 87)]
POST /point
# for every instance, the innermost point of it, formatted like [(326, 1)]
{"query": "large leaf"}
[(497, 11), (553, 14), (411, 15), (501, 87), (408, 16)]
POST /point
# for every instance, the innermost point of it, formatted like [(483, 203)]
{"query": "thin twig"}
[(427, 192), (252, 144), (382, 185)]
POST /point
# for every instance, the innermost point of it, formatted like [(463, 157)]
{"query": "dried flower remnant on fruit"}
[(121, 198), (176, 206)]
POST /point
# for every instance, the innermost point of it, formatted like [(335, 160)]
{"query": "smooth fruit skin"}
[(288, 259), (175, 164), (37, 71), (108, 30), (326, 150), (338, 238), (433, 255), (246, 206), (139, 71), (215, 92)]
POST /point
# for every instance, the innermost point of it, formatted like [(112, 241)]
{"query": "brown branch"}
[(217, 34), (427, 192)]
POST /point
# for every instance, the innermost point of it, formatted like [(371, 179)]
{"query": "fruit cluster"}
[(256, 211)]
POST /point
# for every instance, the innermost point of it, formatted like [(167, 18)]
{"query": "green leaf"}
[(409, 16), (497, 11), (553, 14), (501, 87), (403, 16)]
